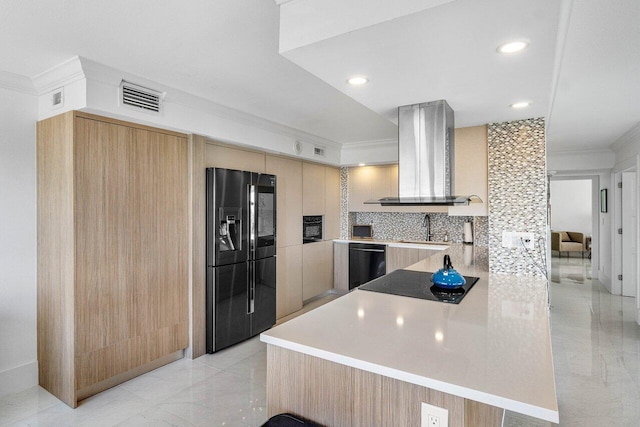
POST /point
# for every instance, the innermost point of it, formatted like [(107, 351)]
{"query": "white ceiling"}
[(227, 51)]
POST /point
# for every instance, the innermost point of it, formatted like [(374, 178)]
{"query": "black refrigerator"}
[(241, 256)]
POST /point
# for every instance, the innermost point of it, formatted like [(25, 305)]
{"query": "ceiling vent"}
[(140, 98), (318, 151)]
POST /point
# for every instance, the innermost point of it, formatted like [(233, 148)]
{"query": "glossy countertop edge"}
[(479, 267), (437, 246), (464, 392)]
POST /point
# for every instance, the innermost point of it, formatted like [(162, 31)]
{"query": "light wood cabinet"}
[(341, 266), (332, 203), (375, 182), (313, 186), (288, 174), (403, 257), (317, 270), (289, 231), (288, 280), (113, 220), (223, 156), (472, 177)]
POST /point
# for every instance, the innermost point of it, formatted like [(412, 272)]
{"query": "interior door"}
[(629, 242)]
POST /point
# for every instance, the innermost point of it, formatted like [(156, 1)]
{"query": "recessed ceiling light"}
[(512, 47), (518, 105), (357, 80)]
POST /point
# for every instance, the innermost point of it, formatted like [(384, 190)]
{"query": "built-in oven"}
[(312, 228)]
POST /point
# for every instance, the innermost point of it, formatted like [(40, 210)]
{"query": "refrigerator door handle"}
[(252, 220), (251, 272)]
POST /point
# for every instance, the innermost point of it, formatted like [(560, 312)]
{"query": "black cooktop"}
[(417, 284)]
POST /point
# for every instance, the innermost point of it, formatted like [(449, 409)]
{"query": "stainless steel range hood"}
[(425, 157)]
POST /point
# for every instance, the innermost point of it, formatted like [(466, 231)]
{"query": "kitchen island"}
[(370, 358)]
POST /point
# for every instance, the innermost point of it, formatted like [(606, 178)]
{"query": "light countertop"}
[(436, 246), (494, 347)]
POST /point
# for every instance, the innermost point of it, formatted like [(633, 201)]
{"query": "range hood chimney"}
[(425, 157)]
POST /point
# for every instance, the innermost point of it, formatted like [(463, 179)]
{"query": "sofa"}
[(567, 241)]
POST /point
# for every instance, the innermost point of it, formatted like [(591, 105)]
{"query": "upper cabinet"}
[(288, 174), (321, 196), (218, 155), (472, 174), (313, 186), (375, 182), (471, 178)]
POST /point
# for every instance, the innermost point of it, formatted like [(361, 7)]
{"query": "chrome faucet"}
[(427, 223)]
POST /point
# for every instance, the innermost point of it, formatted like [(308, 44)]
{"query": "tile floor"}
[(596, 345)]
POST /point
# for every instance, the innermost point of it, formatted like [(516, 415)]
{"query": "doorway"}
[(574, 206)]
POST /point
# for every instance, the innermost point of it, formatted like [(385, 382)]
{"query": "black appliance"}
[(312, 228), (241, 256), (366, 262), (417, 284)]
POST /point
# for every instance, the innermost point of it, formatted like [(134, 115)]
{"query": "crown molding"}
[(631, 135), (58, 76), (370, 144), (574, 152), (17, 83)]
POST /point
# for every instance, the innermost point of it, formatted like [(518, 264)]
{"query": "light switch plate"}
[(434, 416)]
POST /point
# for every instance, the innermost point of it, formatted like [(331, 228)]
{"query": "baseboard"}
[(18, 379), (325, 294)]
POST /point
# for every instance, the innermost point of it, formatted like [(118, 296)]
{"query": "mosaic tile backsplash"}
[(408, 226), (517, 193)]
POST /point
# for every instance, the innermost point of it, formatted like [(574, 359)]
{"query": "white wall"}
[(18, 359), (571, 206)]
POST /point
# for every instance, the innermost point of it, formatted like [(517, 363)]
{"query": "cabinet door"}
[(221, 156), (317, 268), (341, 266), (288, 174), (313, 189), (403, 257), (359, 188), (332, 203), (288, 280), (132, 237), (471, 170)]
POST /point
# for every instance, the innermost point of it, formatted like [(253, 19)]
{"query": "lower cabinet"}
[(403, 257), (341, 266), (317, 268), (288, 280)]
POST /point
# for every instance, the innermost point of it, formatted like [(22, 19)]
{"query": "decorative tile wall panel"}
[(517, 193)]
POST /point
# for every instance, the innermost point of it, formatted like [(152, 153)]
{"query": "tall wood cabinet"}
[(113, 252), (321, 196), (289, 233)]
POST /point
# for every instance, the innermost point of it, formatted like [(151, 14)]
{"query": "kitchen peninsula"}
[(369, 358)]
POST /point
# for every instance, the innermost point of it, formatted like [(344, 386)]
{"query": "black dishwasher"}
[(366, 262)]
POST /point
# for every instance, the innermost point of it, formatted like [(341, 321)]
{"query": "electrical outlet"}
[(434, 416), (516, 239)]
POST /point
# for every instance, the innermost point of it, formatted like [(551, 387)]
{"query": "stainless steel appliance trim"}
[(252, 219), (368, 250), (251, 273)]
